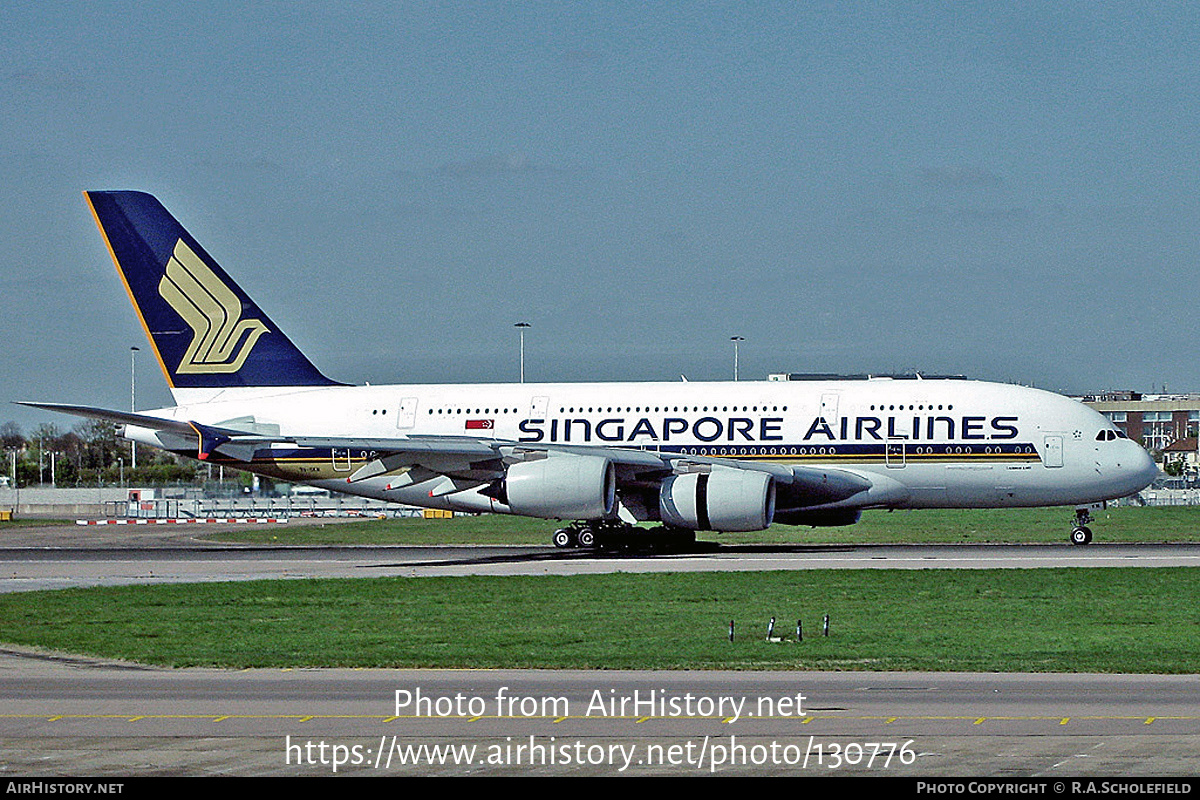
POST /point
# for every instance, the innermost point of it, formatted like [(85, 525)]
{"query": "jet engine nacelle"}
[(563, 487), (725, 499)]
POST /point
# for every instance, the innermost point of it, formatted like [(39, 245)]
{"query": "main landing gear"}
[(586, 534), (1081, 533), (616, 535)]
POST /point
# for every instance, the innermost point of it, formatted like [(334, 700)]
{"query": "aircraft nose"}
[(1141, 469)]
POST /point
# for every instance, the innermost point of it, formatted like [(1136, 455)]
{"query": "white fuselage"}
[(922, 443)]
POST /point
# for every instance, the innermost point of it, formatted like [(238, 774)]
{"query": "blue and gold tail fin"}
[(206, 332)]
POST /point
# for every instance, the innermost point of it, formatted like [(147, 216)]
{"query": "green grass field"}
[(1054, 620), (1019, 525), (1044, 620), (33, 522)]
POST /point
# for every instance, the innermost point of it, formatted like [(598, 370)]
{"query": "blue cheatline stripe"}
[(857, 451), (842, 452)]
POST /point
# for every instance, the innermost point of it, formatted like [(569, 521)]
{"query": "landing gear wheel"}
[(1081, 533), (587, 538), (564, 537)]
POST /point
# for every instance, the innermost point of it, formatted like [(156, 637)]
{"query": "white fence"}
[(116, 502), (200, 508), (1164, 497)]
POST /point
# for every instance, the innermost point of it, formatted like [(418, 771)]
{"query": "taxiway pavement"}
[(64, 715)]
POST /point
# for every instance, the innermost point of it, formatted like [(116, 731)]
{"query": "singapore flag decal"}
[(480, 424)]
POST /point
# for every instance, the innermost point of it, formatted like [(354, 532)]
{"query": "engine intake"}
[(563, 487), (725, 499)]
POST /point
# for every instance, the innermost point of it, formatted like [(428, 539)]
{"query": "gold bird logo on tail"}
[(213, 312)]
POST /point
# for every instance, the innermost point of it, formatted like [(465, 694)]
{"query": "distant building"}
[(859, 376), (1182, 451), (1158, 421)]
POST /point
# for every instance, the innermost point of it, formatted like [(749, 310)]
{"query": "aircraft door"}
[(407, 417), (829, 409), (1053, 456), (538, 407), (893, 453)]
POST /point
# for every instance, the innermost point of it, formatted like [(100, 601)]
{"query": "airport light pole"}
[(736, 340), (521, 326), (132, 403)]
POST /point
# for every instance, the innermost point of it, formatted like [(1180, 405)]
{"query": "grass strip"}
[(33, 522), (1043, 620), (925, 526)]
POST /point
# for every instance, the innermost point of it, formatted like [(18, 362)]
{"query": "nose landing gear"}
[(1081, 533)]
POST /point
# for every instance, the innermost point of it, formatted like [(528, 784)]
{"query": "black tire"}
[(587, 539), (563, 537), (1082, 534)]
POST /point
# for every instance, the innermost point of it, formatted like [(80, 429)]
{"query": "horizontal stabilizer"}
[(122, 417), (209, 438)]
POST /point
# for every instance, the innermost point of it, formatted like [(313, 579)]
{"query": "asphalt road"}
[(83, 717), (64, 716), (26, 568)]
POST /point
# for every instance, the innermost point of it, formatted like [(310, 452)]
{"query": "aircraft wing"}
[(469, 462), (485, 459)]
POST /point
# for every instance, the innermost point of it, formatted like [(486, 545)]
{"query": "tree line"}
[(88, 454)]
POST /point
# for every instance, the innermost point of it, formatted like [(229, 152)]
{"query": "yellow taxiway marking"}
[(805, 720)]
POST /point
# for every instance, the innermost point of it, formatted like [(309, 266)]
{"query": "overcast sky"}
[(1005, 190)]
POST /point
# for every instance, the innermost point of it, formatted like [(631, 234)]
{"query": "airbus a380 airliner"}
[(735, 456)]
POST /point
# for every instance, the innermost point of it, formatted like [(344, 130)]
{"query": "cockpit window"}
[(1110, 436)]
